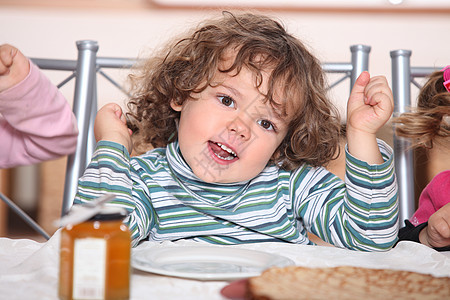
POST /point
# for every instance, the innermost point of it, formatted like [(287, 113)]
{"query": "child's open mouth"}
[(221, 151)]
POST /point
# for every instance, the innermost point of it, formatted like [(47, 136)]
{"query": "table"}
[(29, 270)]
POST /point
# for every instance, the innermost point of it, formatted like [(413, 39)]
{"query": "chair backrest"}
[(88, 65), (358, 64), (403, 75), (85, 70)]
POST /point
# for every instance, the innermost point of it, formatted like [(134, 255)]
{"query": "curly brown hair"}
[(189, 64), (426, 122)]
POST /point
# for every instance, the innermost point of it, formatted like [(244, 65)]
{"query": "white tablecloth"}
[(29, 270)]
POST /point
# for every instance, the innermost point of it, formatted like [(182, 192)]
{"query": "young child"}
[(238, 109), (429, 127), (36, 122)]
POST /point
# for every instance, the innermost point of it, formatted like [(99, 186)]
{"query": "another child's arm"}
[(437, 233), (36, 121), (14, 66), (369, 107)]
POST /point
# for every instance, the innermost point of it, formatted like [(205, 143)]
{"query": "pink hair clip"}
[(446, 76)]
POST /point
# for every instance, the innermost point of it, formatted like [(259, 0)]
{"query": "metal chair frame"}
[(403, 75), (84, 71)]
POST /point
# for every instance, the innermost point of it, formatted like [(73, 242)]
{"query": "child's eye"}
[(266, 124), (226, 100)]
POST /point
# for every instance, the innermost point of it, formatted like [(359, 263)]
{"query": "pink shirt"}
[(36, 122), (435, 195)]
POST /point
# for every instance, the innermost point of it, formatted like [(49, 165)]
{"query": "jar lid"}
[(82, 212), (109, 213)]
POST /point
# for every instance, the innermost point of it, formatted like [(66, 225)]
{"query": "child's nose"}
[(240, 128)]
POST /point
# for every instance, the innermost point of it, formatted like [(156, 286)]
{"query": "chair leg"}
[(403, 155), (83, 98), (24, 216)]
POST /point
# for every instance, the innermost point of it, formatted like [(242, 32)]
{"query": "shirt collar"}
[(185, 175)]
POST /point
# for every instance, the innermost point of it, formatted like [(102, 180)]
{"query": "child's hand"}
[(437, 233), (370, 105), (14, 66), (110, 125)]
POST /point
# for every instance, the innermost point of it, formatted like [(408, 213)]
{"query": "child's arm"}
[(363, 215), (110, 125), (14, 66), (369, 107), (437, 233), (36, 121)]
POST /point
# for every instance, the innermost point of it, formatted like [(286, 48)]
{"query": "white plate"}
[(206, 262)]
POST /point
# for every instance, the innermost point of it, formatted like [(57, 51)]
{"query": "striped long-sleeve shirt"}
[(166, 201)]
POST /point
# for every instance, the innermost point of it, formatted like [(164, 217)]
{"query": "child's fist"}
[(437, 233), (370, 104), (14, 66), (111, 125)]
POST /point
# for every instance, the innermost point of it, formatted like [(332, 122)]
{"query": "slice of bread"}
[(295, 282)]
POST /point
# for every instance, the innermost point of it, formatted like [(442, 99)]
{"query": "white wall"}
[(52, 32)]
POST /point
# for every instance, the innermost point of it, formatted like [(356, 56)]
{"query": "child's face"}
[(228, 134)]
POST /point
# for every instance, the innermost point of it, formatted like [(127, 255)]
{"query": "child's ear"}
[(175, 106)]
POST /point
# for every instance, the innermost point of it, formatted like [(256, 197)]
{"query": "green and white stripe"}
[(166, 201)]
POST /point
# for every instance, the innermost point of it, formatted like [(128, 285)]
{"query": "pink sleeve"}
[(36, 122), (433, 197)]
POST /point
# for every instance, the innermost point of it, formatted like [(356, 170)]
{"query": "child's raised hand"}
[(110, 125), (437, 233), (14, 66), (369, 107), (370, 104)]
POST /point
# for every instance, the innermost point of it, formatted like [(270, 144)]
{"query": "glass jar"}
[(95, 258)]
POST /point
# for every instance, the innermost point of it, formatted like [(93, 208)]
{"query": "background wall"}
[(130, 28), (51, 31)]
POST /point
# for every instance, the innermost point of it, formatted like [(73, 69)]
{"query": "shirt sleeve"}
[(360, 213), (36, 122), (411, 232), (432, 198), (110, 171)]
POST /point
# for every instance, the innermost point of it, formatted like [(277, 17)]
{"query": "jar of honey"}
[(95, 258)]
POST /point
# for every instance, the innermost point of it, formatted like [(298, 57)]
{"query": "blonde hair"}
[(430, 119), (189, 64)]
